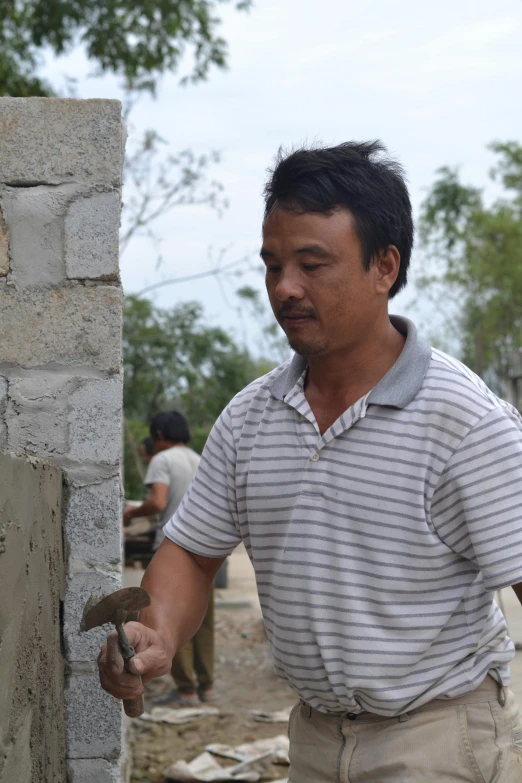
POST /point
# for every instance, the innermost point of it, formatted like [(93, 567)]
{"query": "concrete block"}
[(50, 141), (71, 326), (42, 400), (4, 247), (83, 474), (34, 219), (94, 719), (77, 418), (95, 415), (92, 523), (93, 771), (92, 237), (80, 588)]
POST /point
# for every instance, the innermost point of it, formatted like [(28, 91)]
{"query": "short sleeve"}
[(206, 522), (477, 505), (158, 471)]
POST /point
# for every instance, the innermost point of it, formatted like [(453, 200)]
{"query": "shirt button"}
[(314, 457)]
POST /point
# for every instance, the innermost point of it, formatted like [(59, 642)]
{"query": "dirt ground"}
[(245, 681)]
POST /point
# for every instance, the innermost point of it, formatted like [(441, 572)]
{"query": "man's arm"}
[(156, 502), (178, 583)]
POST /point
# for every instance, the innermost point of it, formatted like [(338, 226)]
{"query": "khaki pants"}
[(476, 738), (193, 664)]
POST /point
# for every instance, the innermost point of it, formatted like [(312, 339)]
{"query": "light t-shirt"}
[(176, 467), (378, 544)]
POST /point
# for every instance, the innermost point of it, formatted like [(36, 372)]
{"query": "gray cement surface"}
[(52, 141), (74, 327), (32, 741)]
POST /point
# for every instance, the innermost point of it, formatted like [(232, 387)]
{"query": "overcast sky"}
[(435, 81)]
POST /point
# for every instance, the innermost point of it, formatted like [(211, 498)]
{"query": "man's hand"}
[(178, 583), (128, 516), (155, 503), (153, 658)]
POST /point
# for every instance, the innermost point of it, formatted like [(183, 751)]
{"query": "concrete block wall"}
[(60, 365)]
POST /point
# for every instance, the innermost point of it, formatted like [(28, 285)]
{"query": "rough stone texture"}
[(34, 218), (94, 719), (92, 771), (95, 421), (74, 326), (4, 247), (43, 400), (93, 523), (80, 587), (77, 418), (50, 141), (92, 237), (32, 746), (81, 475)]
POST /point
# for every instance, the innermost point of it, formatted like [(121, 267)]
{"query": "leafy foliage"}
[(273, 341), (172, 359), (136, 39), (477, 253)]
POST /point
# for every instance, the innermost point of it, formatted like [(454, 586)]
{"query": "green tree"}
[(475, 249), (136, 39), (272, 339), (173, 359)]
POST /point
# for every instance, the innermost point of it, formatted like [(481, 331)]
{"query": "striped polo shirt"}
[(377, 546)]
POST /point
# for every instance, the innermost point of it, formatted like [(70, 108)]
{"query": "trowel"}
[(118, 608)]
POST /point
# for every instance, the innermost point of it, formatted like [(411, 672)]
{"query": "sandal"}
[(206, 694), (175, 697)]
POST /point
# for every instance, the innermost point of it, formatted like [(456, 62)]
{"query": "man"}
[(376, 484), (169, 474)]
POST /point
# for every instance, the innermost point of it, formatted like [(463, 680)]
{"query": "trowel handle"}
[(133, 707)]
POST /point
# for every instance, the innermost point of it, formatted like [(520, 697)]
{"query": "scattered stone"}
[(178, 716), (279, 716)]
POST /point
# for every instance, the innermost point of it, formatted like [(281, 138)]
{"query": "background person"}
[(170, 471), (147, 449)]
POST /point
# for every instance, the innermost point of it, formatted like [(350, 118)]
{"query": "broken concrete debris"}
[(279, 716), (278, 746), (255, 760), (178, 716)]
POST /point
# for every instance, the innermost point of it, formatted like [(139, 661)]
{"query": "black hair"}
[(357, 176), (172, 425), (148, 444)]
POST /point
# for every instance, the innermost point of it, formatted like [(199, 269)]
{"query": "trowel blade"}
[(98, 612)]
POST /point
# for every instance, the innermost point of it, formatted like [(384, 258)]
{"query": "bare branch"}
[(216, 271), (157, 183)]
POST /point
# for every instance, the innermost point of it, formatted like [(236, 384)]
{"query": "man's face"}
[(160, 444), (320, 293)]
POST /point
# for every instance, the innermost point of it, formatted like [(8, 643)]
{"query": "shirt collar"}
[(395, 389)]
